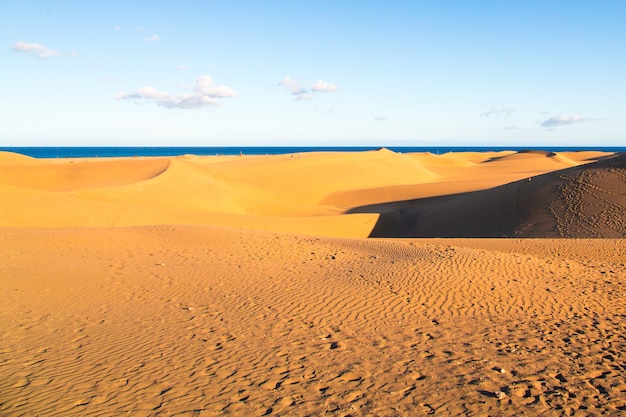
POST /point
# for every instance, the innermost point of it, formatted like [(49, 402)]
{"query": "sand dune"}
[(286, 190), (206, 286), (76, 175), (583, 201), (194, 190)]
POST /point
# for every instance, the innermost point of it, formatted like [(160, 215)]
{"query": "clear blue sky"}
[(220, 73)]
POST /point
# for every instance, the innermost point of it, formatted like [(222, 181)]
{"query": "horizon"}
[(46, 152), (407, 74)]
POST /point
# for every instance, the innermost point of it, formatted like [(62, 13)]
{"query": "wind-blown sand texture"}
[(245, 285)]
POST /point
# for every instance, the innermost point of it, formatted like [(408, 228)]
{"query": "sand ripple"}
[(212, 321)]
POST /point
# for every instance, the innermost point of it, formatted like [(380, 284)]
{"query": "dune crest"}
[(72, 175), (12, 158)]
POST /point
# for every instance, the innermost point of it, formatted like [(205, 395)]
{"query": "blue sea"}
[(93, 152)]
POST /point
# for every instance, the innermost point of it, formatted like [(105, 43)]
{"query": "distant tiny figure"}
[(530, 178), (291, 156), (299, 154)]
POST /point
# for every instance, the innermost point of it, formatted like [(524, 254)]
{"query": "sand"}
[(249, 286)]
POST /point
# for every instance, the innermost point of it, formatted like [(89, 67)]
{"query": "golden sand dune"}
[(244, 285), (255, 192), (196, 190)]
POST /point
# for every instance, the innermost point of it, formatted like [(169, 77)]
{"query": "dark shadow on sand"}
[(532, 207)]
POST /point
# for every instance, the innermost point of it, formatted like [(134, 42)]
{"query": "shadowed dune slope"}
[(583, 201)]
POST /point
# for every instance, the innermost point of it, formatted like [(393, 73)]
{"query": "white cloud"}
[(323, 86), (204, 93), (34, 49), (302, 93), (505, 111), (291, 85), (152, 38), (205, 86), (380, 119), (117, 27), (560, 120), (295, 89), (182, 67)]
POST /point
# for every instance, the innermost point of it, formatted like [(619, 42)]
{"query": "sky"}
[(307, 73)]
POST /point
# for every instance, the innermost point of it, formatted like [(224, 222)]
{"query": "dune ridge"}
[(72, 176)]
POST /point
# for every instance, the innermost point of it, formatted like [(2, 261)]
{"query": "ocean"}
[(93, 152)]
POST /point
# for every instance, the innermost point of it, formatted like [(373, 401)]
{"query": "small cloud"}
[(380, 119), (182, 67), (506, 112), (204, 93), (34, 49), (323, 86), (117, 27), (560, 120), (151, 38), (295, 89), (302, 93), (290, 85)]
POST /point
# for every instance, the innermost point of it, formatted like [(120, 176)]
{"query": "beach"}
[(323, 283)]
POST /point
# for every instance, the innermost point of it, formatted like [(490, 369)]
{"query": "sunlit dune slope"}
[(583, 201), (306, 179), (76, 175), (279, 192)]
